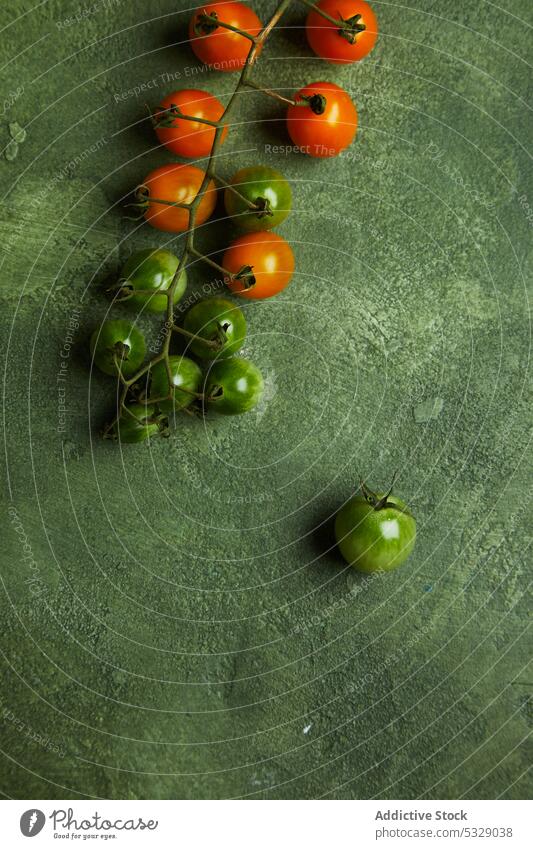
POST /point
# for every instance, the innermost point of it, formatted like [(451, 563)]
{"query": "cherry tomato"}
[(118, 344), (375, 532), (188, 138), (264, 187), (218, 47), (179, 184), (150, 270), (217, 321), (139, 422), (342, 45), (326, 123), (264, 257), (186, 378), (233, 386)]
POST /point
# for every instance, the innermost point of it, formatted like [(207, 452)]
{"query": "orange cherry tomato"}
[(218, 47), (325, 122), (338, 46), (179, 184), (269, 258), (189, 138)]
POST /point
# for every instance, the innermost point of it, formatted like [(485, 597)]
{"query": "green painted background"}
[(175, 621)]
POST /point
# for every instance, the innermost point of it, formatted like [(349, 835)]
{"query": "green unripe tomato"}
[(217, 321), (375, 532), (233, 386), (118, 342), (266, 188), (138, 423), (186, 374), (152, 269)]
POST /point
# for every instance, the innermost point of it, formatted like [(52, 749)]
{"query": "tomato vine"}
[(128, 419)]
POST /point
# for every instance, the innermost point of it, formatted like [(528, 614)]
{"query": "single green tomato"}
[(264, 187), (375, 538), (150, 270), (233, 386), (138, 423), (220, 323), (186, 379), (118, 345)]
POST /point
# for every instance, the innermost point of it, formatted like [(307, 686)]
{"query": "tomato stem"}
[(250, 204), (207, 23), (382, 502), (216, 344), (181, 205), (164, 116), (270, 93)]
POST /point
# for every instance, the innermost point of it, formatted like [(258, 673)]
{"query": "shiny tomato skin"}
[(375, 540), (326, 134), (206, 318), (137, 425), (190, 139), (118, 342), (222, 49), (324, 36), (151, 269), (177, 183), (186, 378), (271, 259), (233, 386), (258, 184)]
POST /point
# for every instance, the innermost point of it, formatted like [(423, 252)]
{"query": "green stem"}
[(349, 28), (211, 262), (270, 93), (214, 22), (250, 204), (174, 111), (211, 343)]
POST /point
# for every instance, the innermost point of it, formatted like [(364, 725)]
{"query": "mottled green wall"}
[(180, 625)]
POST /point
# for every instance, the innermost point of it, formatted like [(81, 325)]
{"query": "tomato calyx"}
[(206, 23), (316, 102), (245, 276), (120, 350), (141, 203), (263, 208), (351, 28), (159, 419), (122, 290), (111, 431), (221, 335), (165, 116), (216, 392), (382, 502), (143, 200)]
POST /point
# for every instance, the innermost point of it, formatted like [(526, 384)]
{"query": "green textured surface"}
[(186, 629)]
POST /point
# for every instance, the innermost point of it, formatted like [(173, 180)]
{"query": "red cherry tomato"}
[(269, 259), (218, 47), (179, 184), (337, 45), (188, 138), (324, 122)]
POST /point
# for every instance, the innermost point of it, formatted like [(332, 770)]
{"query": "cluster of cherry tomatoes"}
[(215, 330), (374, 531), (321, 121)]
